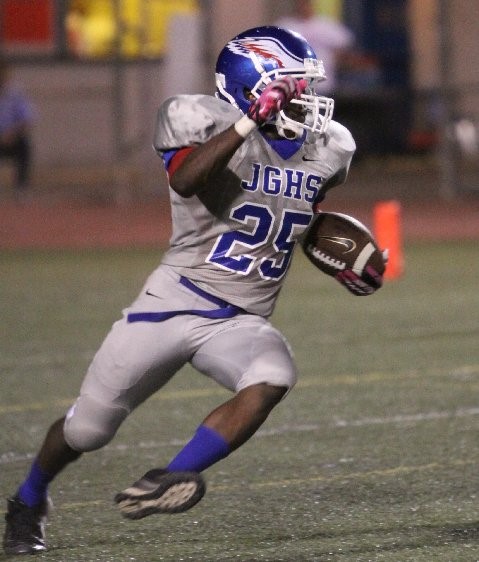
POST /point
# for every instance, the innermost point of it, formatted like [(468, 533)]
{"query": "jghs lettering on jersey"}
[(290, 183)]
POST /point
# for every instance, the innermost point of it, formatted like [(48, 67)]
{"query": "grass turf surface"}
[(373, 456)]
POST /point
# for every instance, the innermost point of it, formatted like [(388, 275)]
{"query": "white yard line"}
[(288, 482), (466, 372), (12, 457)]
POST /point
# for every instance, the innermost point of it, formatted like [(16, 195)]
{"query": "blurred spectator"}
[(90, 28), (16, 116), (331, 40)]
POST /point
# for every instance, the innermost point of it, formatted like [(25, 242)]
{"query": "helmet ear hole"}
[(247, 93)]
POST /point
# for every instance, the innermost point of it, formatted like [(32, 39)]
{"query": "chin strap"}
[(282, 126)]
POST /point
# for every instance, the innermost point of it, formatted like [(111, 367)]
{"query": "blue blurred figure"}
[(16, 117)]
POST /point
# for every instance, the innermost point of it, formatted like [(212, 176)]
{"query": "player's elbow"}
[(183, 172), (183, 186)]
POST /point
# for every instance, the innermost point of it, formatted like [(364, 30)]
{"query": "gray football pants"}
[(137, 359)]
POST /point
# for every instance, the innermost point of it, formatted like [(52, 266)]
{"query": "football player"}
[(246, 170)]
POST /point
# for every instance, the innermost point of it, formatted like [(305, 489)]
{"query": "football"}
[(337, 243)]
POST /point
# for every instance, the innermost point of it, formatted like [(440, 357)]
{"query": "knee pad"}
[(273, 363), (90, 424)]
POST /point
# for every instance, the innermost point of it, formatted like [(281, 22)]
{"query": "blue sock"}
[(205, 448), (35, 488)]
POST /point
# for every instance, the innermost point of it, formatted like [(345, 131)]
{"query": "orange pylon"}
[(388, 233)]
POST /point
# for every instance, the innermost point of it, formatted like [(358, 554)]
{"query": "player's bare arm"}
[(203, 162), (199, 164)]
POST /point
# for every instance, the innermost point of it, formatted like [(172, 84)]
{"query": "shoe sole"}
[(23, 549), (175, 493)]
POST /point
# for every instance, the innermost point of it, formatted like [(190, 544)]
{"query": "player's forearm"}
[(205, 162), (209, 159)]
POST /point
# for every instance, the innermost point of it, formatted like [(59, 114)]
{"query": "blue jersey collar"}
[(284, 147)]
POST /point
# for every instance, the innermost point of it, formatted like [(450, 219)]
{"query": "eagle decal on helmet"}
[(257, 56), (265, 48)]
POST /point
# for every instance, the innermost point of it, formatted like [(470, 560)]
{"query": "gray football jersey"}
[(235, 239)]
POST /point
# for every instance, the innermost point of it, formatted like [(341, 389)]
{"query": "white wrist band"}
[(245, 126)]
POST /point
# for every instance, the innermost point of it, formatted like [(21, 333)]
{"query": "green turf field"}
[(373, 456)]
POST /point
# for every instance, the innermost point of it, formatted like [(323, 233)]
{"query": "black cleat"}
[(160, 491), (25, 528)]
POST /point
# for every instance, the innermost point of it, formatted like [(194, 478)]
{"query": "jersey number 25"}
[(263, 222)]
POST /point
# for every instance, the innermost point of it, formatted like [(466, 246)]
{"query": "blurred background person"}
[(331, 40), (16, 117), (349, 72)]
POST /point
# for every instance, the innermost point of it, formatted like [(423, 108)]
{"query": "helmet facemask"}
[(317, 110), (258, 56)]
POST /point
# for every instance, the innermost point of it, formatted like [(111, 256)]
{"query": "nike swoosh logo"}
[(151, 294), (349, 244), (310, 159)]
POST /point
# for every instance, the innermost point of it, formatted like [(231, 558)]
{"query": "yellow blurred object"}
[(329, 8), (138, 27), (158, 16)]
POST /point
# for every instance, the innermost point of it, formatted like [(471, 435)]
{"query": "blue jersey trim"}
[(168, 156), (225, 310), (284, 147)]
